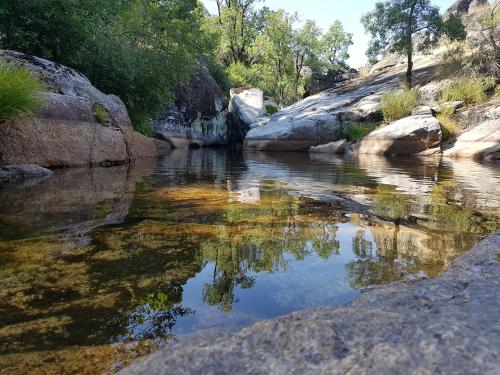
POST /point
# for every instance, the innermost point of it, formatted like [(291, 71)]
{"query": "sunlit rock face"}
[(198, 117), (478, 142), (66, 131), (246, 106), (316, 120), (408, 136)]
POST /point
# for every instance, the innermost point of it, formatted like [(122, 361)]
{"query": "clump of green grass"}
[(20, 92), (468, 90), (100, 113), (398, 104), (354, 131), (270, 109), (449, 127)]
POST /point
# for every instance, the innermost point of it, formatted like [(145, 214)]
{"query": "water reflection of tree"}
[(256, 238)]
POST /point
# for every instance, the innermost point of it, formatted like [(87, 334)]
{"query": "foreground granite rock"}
[(67, 131), (408, 136), (447, 325)]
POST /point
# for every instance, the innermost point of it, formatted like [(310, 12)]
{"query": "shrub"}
[(398, 104), (19, 92), (100, 113), (270, 109), (354, 131), (449, 127), (468, 90)]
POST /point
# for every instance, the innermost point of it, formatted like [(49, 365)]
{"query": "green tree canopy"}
[(335, 44)]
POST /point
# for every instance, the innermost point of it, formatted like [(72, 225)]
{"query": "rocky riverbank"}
[(78, 126), (449, 324)]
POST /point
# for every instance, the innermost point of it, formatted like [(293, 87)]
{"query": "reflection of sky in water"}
[(306, 283)]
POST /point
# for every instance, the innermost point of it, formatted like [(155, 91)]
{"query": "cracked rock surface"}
[(446, 325)]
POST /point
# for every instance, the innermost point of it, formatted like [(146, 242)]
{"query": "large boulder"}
[(408, 136), (198, 116), (478, 142), (67, 131), (246, 107), (316, 120)]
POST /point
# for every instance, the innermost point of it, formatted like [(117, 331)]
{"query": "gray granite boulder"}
[(67, 131), (246, 107), (408, 136), (478, 142), (448, 325), (315, 120)]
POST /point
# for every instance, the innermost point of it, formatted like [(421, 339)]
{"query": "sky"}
[(324, 12)]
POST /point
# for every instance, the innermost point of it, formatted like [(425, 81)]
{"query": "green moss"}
[(398, 104), (101, 114), (271, 109), (20, 92)]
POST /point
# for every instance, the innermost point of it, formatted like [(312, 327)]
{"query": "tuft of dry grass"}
[(398, 104)]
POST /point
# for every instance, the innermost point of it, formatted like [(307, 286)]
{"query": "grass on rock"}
[(271, 109), (397, 104), (449, 127), (468, 90), (354, 131), (20, 92)]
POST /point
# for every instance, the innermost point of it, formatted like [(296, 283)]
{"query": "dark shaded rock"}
[(198, 115), (21, 173), (450, 324)]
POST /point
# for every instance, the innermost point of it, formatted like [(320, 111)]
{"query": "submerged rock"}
[(67, 131), (198, 115), (449, 324), (331, 148), (478, 142), (408, 136), (21, 173)]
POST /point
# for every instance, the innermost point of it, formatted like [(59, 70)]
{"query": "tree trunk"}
[(409, 69)]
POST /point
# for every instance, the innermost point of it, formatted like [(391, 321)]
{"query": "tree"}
[(273, 51), (395, 23), (137, 49), (335, 44), (306, 47), (235, 18)]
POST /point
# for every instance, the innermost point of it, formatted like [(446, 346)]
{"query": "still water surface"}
[(99, 266)]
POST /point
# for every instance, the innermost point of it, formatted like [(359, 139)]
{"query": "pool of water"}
[(100, 266)]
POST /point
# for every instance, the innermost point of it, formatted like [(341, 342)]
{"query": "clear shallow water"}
[(100, 266)]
